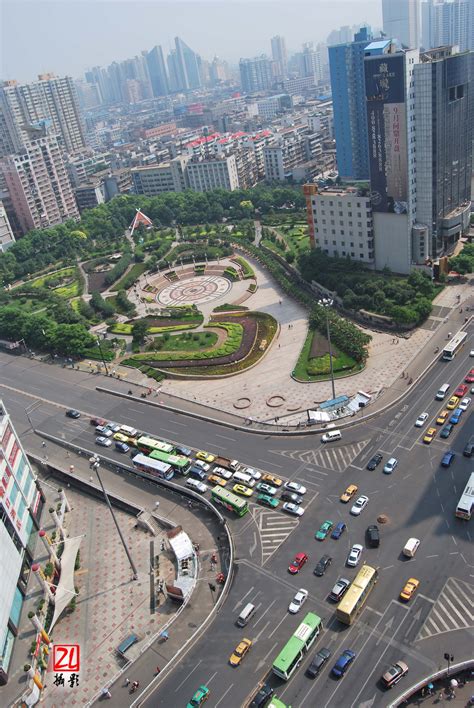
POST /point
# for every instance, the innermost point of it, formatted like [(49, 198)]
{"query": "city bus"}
[(231, 501), (296, 647), (276, 703), (155, 468), (147, 445), (452, 347), (465, 505), (179, 463), (359, 590)]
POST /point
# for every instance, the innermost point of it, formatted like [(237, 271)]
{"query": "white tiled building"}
[(342, 224), (6, 234)]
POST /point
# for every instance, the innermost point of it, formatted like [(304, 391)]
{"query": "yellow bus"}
[(359, 590)]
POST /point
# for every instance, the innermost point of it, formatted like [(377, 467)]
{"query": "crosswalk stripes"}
[(454, 609), (274, 529), (332, 458)]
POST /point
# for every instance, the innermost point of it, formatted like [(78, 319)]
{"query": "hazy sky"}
[(68, 36)]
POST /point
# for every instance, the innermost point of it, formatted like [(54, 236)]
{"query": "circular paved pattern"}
[(201, 288)]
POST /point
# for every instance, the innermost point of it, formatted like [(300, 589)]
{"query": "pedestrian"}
[(68, 454), (71, 468), (157, 670), (91, 478), (43, 444), (127, 681)]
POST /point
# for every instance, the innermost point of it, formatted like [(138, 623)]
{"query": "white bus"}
[(155, 468), (452, 347), (465, 505)]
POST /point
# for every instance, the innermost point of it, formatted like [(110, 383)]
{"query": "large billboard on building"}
[(386, 116)]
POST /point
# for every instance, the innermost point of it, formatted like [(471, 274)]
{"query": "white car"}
[(420, 421), (390, 465), (293, 509), (203, 465), (298, 601), (103, 442), (360, 505), (295, 487), (465, 403), (225, 474), (104, 431), (196, 485), (471, 353), (114, 427), (253, 473), (354, 556)]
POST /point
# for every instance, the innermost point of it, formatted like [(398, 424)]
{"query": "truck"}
[(226, 463)]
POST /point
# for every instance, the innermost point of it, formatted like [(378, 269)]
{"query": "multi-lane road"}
[(418, 500)]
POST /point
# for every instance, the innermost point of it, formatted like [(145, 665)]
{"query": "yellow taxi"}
[(275, 481), (441, 419), (242, 490), (452, 403), (239, 652), (410, 589), (349, 493), (214, 479), (121, 437), (206, 456), (429, 435)]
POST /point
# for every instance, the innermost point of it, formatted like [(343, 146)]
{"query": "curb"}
[(453, 670)]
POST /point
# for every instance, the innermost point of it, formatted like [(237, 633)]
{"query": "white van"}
[(331, 436), (196, 485), (411, 547), (127, 430), (242, 478), (442, 392), (245, 615)]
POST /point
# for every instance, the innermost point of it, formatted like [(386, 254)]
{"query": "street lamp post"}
[(327, 303), (449, 658), (102, 356)]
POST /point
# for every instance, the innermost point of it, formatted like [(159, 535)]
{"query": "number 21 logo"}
[(66, 657)]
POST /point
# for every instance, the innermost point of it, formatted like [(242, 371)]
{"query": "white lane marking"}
[(242, 599), (225, 437), (224, 694), (183, 425), (279, 623), (454, 541), (264, 613), (186, 678), (435, 612), (267, 462), (435, 555), (261, 631), (454, 609)]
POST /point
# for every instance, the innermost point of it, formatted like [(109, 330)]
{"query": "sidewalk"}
[(111, 605)]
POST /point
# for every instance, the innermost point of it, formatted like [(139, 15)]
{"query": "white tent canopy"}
[(65, 590), (181, 545)]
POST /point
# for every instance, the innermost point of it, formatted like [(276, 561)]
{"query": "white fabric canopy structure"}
[(65, 590), (181, 545)]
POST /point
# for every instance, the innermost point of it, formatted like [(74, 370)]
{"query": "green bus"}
[(231, 501), (296, 647), (148, 445), (179, 463), (276, 703)]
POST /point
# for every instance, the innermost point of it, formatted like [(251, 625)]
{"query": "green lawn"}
[(127, 280), (186, 342), (318, 368)]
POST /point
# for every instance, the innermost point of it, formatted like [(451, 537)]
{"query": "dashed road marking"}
[(332, 458), (454, 609), (274, 529)]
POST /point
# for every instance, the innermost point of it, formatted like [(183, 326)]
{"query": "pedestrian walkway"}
[(454, 609), (274, 528)]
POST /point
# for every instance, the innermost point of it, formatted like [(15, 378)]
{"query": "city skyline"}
[(70, 43)]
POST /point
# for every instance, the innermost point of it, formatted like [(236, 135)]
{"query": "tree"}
[(72, 340), (139, 331)]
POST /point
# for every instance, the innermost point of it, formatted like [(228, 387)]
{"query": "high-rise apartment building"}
[(401, 20), (6, 234), (207, 173), (50, 99), (256, 74), (346, 65), (21, 502), (280, 56), (448, 22), (311, 62), (186, 67), (38, 185), (390, 103), (157, 71), (444, 105)]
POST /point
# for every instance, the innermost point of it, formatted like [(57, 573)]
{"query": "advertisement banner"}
[(386, 115)]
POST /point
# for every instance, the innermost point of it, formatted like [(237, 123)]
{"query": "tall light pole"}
[(449, 658), (326, 302), (102, 355)]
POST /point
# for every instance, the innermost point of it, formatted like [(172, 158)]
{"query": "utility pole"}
[(327, 303)]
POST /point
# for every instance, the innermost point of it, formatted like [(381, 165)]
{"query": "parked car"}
[(393, 675), (360, 505), (103, 441), (429, 436), (206, 456), (456, 416), (465, 403), (271, 479), (354, 555), (320, 658), (298, 563), (122, 447), (298, 601), (338, 530), (216, 481), (323, 531), (203, 465), (322, 565), (349, 493), (452, 403), (441, 419), (293, 509), (374, 461), (343, 663), (461, 390), (421, 420), (72, 413), (446, 431), (182, 450), (242, 490), (266, 489), (390, 465), (265, 500), (339, 589), (373, 536), (104, 431), (291, 497), (295, 487)]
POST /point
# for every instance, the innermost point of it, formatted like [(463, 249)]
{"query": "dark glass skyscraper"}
[(157, 71)]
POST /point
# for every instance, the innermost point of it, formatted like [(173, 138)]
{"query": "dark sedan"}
[(72, 413), (322, 565), (374, 461), (318, 662)]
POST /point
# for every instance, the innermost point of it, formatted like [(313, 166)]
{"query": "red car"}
[(97, 421), (298, 563), (461, 390), (470, 377)]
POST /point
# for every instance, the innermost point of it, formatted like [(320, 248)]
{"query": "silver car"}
[(354, 556)]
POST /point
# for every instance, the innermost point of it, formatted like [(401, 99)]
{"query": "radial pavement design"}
[(196, 290)]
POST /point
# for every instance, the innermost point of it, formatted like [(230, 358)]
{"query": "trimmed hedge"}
[(248, 271), (119, 269)]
